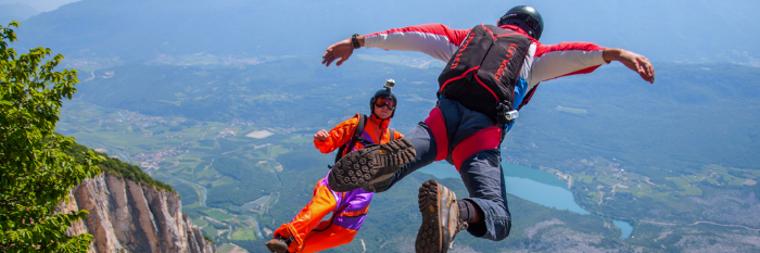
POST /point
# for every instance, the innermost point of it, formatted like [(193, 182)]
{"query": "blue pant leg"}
[(484, 179), (481, 173), (425, 146)]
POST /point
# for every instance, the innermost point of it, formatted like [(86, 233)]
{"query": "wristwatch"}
[(355, 40)]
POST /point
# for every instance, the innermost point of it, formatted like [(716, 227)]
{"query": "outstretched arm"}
[(633, 61), (572, 58), (436, 40)]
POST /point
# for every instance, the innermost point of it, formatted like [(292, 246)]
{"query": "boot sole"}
[(430, 238), (370, 166), (277, 246)]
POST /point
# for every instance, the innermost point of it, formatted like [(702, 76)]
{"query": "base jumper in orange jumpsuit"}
[(308, 232)]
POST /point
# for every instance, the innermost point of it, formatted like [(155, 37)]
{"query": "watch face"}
[(355, 40)]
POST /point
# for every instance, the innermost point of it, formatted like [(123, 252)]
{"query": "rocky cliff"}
[(127, 216)]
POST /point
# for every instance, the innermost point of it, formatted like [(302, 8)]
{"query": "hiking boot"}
[(277, 245), (440, 218), (371, 168)]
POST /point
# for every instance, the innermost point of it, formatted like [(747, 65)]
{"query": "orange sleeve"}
[(338, 136)]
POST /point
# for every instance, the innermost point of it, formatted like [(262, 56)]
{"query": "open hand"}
[(633, 61), (340, 50)]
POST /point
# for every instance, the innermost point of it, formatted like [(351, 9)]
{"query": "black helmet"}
[(385, 92), (526, 17)]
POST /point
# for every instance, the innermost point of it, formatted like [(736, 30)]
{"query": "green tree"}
[(36, 174)]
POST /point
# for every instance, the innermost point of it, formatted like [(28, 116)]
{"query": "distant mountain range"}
[(15, 11), (672, 31)]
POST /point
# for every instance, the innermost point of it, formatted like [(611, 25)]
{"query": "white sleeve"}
[(565, 59), (435, 40)]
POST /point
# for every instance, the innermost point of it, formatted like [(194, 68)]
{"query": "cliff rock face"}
[(125, 216)]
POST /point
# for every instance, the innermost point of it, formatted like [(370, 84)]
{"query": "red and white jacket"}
[(543, 62)]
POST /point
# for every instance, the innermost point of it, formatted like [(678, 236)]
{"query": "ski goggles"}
[(384, 102)]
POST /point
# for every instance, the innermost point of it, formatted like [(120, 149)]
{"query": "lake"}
[(533, 185)]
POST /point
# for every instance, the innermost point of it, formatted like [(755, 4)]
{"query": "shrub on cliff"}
[(35, 172)]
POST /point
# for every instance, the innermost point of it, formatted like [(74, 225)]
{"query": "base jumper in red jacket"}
[(467, 136)]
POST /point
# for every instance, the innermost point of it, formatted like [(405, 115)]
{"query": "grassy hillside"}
[(116, 167)]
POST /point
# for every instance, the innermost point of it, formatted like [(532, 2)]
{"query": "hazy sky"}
[(39, 5), (670, 30)]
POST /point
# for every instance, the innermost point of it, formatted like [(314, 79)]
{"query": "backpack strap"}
[(528, 96), (393, 135), (356, 136)]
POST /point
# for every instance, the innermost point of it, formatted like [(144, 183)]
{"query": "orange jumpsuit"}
[(307, 230)]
